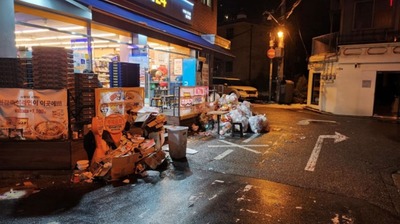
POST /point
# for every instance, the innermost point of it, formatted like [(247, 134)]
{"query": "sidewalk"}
[(44, 177)]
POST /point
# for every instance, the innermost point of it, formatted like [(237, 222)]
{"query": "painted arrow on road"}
[(317, 149)]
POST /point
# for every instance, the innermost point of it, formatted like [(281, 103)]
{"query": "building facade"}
[(356, 70), (154, 34)]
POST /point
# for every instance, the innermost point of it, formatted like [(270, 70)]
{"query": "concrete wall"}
[(352, 91)]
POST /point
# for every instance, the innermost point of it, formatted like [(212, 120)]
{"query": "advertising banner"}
[(118, 100), (27, 114)]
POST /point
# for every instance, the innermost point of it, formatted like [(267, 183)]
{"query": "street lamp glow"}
[(280, 34)]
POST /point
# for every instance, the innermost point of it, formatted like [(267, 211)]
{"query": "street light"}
[(281, 48), (280, 45), (271, 56)]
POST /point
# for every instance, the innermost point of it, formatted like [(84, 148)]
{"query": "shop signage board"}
[(193, 99), (28, 114), (179, 9), (111, 101)]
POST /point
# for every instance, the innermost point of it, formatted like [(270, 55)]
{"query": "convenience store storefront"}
[(98, 34), (116, 34)]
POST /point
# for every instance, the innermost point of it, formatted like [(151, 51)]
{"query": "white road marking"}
[(222, 155), (223, 146), (274, 145), (308, 121), (251, 138), (312, 161), (243, 147)]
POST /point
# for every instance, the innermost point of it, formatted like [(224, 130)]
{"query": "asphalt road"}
[(310, 168)]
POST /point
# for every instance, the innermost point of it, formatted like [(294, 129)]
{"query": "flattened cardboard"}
[(123, 166)]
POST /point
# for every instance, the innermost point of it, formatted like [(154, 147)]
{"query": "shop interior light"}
[(71, 28), (165, 48), (23, 39), (104, 35), (96, 46), (32, 31), (93, 42), (153, 44), (56, 37)]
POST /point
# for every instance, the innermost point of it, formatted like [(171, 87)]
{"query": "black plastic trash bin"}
[(286, 90)]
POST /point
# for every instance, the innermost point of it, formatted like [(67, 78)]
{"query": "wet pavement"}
[(185, 195), (204, 189)]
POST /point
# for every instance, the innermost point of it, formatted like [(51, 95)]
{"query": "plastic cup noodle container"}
[(82, 164)]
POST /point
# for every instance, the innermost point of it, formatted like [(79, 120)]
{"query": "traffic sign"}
[(271, 53)]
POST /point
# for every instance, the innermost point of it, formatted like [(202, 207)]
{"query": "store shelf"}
[(101, 68)]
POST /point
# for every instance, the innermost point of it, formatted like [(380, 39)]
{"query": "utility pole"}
[(282, 44)]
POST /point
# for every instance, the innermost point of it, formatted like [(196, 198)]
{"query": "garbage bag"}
[(259, 123)]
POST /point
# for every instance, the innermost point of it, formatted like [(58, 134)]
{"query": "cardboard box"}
[(155, 159), (123, 166)]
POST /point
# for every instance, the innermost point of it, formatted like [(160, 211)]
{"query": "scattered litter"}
[(126, 181), (251, 211), (188, 150), (28, 184), (194, 198), (13, 194), (339, 219), (240, 199), (218, 181), (20, 191), (191, 151), (214, 196), (247, 188)]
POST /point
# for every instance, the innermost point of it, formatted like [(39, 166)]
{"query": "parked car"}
[(226, 85)]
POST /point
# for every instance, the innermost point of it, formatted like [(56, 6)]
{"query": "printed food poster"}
[(27, 114), (111, 101), (201, 90), (192, 99)]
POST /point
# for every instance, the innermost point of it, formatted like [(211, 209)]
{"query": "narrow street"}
[(310, 168)]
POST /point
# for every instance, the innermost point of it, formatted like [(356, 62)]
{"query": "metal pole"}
[(271, 45), (270, 81)]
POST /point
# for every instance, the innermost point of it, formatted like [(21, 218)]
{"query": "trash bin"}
[(286, 92), (177, 141)]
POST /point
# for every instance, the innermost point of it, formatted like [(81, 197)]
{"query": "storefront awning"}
[(193, 40)]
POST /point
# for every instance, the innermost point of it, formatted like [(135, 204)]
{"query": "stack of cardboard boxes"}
[(135, 153)]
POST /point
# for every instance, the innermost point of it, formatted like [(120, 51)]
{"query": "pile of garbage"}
[(119, 154), (237, 112)]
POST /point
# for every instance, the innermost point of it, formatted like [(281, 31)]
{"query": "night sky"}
[(309, 19)]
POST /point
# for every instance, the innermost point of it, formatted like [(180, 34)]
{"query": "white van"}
[(226, 85)]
